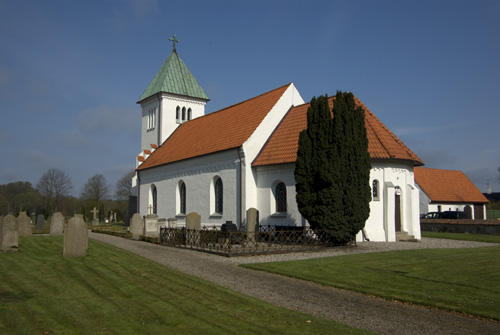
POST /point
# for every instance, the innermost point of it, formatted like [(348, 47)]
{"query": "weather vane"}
[(173, 39)]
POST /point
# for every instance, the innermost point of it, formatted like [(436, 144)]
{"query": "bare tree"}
[(95, 190), (124, 186), (54, 185)]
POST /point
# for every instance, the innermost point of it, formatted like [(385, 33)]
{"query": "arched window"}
[(154, 200), (189, 113), (375, 190), (218, 196), (182, 198), (281, 198), (183, 113), (178, 114)]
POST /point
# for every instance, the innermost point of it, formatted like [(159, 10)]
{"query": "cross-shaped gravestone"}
[(173, 39), (94, 211), (150, 209)]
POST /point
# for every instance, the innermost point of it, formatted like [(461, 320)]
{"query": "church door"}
[(478, 212), (397, 214)]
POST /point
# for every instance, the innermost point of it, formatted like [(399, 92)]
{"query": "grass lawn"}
[(111, 291), (463, 237), (462, 280)]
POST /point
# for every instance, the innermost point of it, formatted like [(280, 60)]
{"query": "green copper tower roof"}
[(174, 77)]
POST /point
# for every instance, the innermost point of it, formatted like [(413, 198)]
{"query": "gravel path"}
[(357, 310)]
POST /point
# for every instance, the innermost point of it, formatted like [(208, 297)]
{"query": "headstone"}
[(132, 207), (75, 238), (95, 222), (172, 222), (162, 223), (193, 226), (101, 215), (151, 225), (9, 237), (40, 222), (136, 226), (193, 221), (227, 229), (252, 223), (57, 224), (24, 224)]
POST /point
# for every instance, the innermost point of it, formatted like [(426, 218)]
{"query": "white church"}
[(221, 164)]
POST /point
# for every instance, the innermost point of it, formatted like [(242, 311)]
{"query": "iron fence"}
[(265, 240)]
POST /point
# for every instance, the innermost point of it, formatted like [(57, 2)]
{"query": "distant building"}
[(221, 164), (449, 190)]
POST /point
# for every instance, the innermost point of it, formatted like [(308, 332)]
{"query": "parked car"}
[(453, 215), (431, 215), (445, 215)]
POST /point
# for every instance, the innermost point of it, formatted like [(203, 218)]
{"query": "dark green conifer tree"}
[(333, 168)]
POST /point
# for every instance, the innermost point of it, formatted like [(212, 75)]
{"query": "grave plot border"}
[(267, 240)]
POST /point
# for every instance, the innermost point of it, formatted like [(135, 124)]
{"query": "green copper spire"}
[(174, 77)]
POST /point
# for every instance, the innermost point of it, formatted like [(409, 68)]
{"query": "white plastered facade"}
[(246, 187)]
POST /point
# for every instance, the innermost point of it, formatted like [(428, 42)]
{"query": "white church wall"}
[(267, 178), (149, 134), (392, 177), (198, 175), (170, 102), (167, 115), (380, 225), (291, 97)]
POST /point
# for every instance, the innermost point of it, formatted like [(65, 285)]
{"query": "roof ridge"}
[(394, 137), (249, 99)]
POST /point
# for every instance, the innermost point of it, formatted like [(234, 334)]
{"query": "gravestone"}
[(172, 222), (9, 237), (193, 225), (229, 229), (40, 222), (75, 238), (193, 221), (151, 225), (24, 224), (162, 223), (57, 224), (95, 222), (136, 226), (252, 224)]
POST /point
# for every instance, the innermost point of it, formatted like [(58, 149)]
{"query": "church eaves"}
[(225, 129), (282, 146), (174, 77)]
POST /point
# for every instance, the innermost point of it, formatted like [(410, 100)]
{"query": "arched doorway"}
[(397, 208)]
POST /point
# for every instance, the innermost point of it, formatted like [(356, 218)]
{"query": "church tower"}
[(174, 96)]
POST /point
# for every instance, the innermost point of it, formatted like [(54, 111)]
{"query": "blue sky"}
[(71, 73)]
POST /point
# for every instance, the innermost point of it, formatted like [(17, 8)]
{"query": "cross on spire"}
[(173, 39)]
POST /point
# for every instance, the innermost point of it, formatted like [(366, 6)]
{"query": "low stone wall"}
[(488, 227)]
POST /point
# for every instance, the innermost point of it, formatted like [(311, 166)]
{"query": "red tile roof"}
[(225, 129), (447, 186), (283, 144)]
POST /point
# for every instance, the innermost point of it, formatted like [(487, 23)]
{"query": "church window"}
[(218, 196), (375, 190), (182, 198), (189, 113), (154, 198), (281, 198), (151, 119), (177, 114), (183, 114)]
